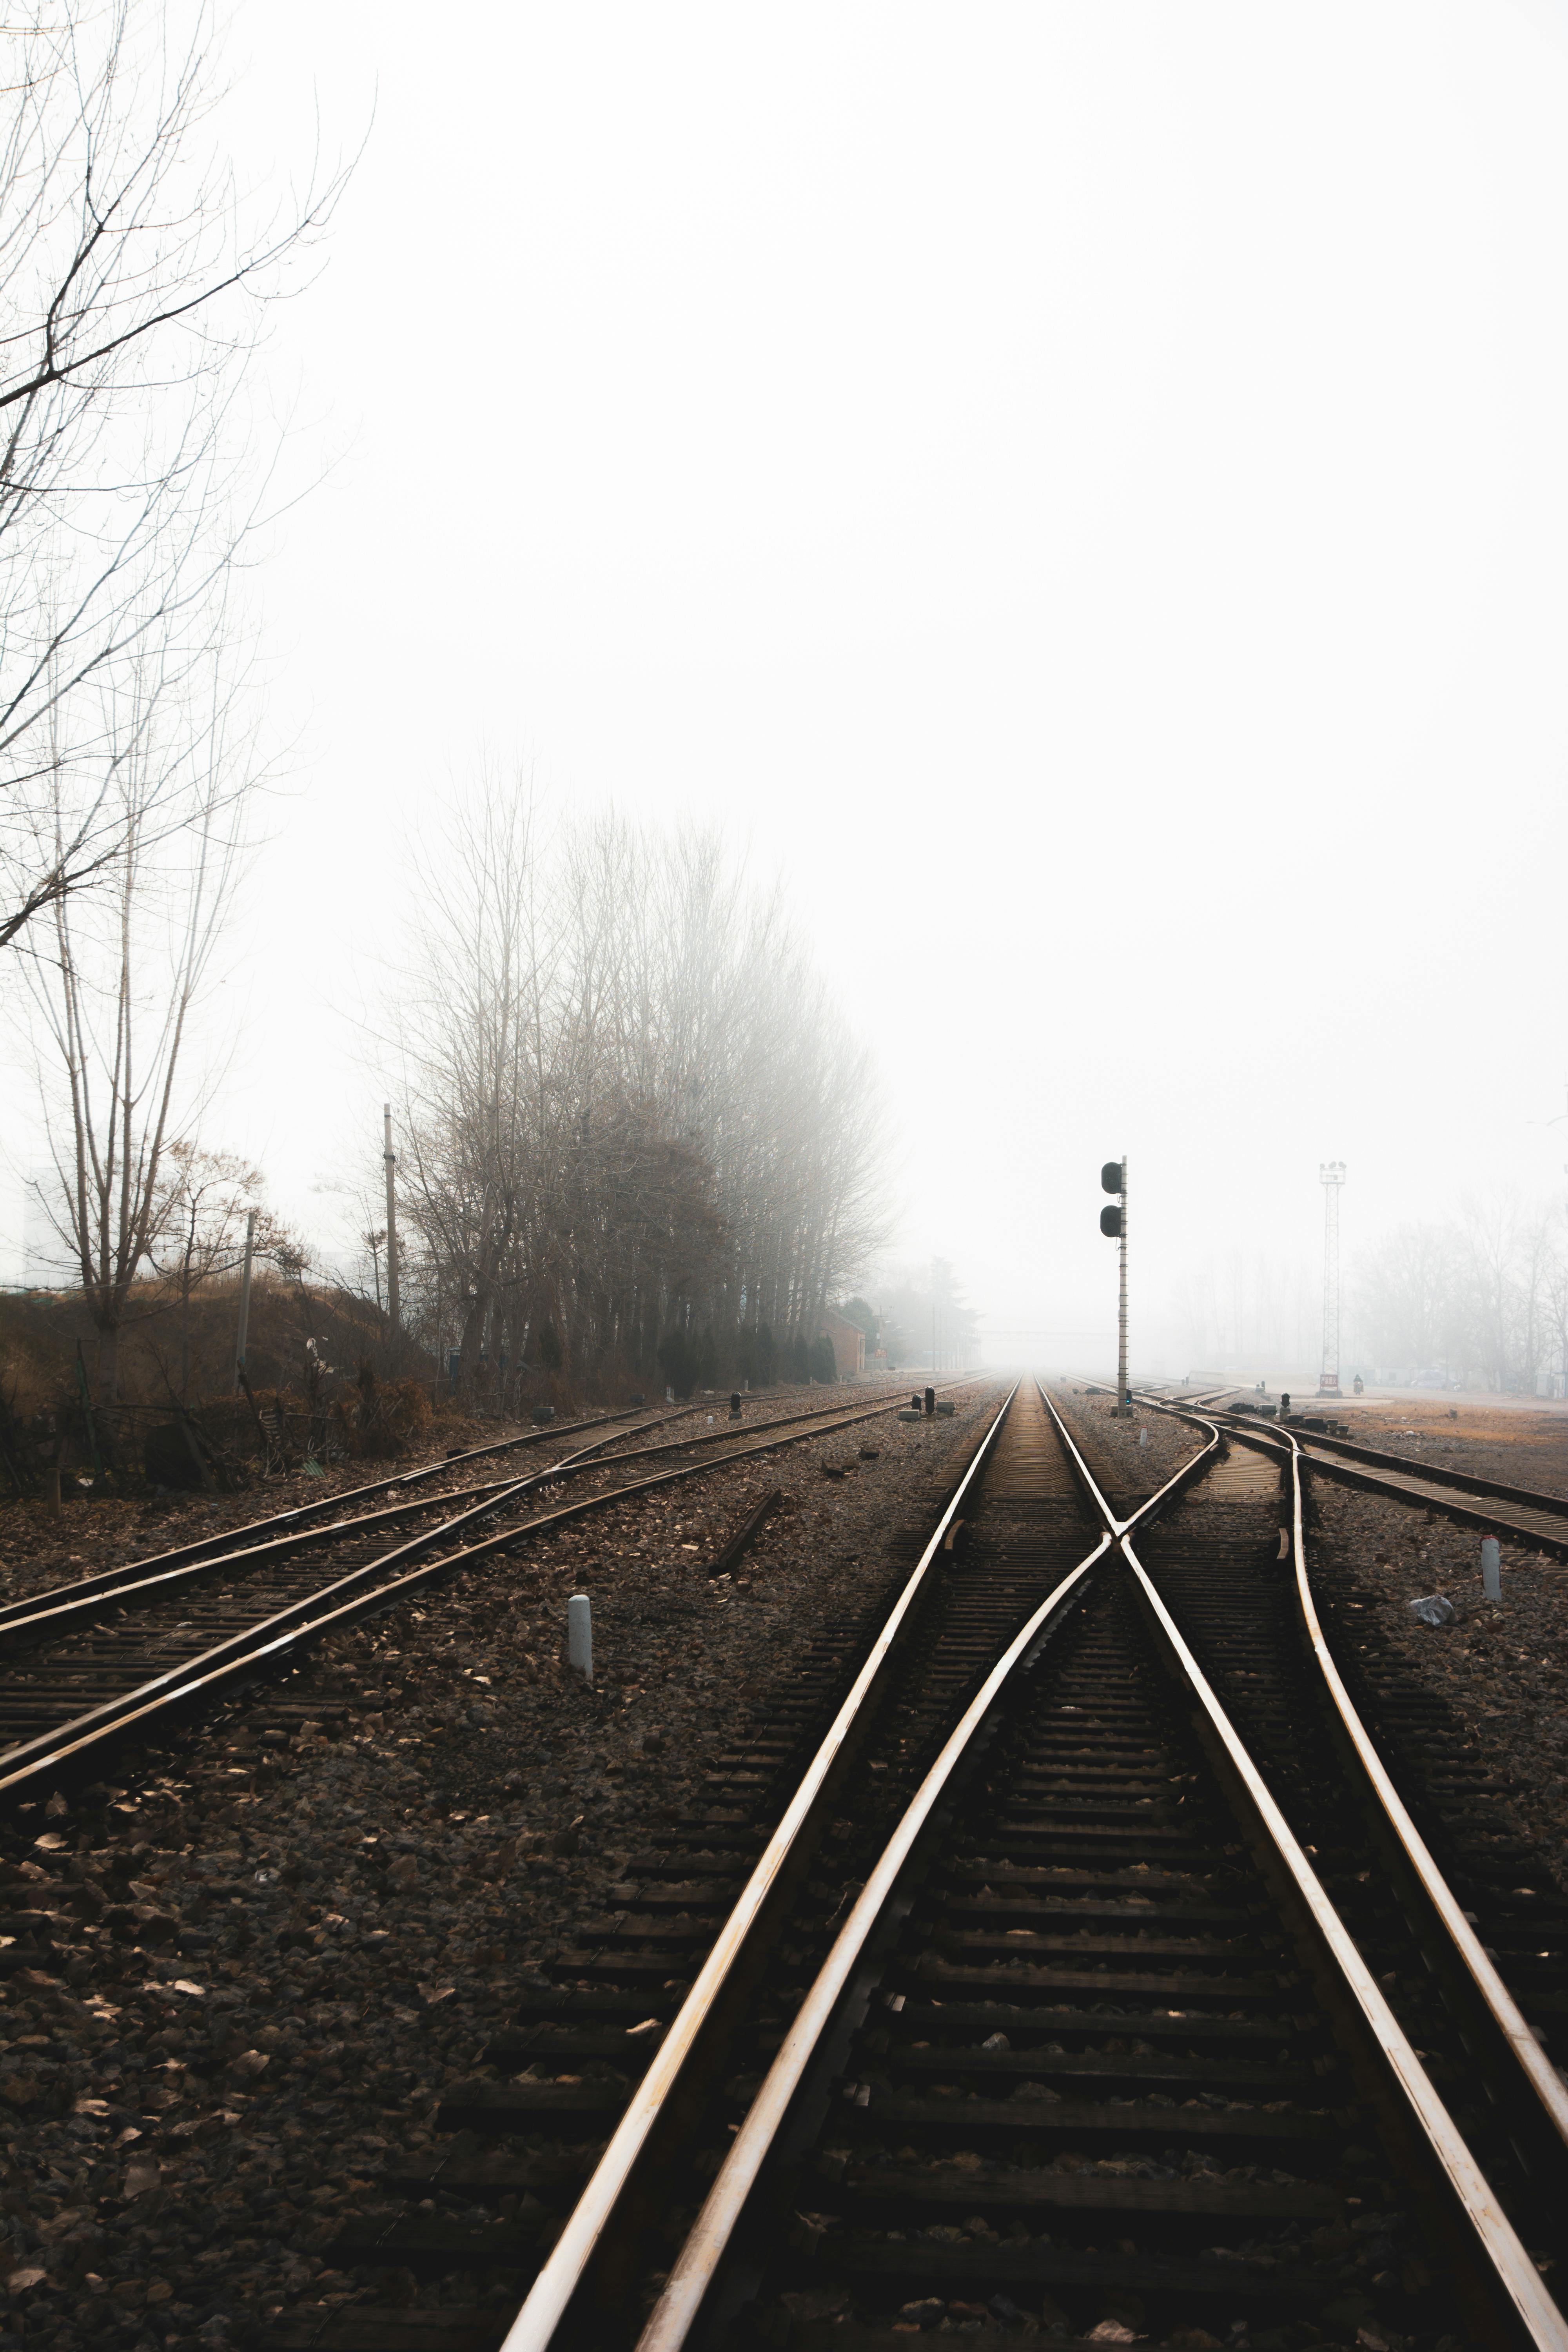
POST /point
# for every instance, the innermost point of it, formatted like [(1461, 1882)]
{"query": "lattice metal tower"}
[(1331, 1176)]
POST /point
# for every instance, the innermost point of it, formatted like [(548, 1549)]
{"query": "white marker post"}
[(580, 1635), (1492, 1568)]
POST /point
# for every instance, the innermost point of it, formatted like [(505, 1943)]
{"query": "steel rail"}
[(1528, 1516), (60, 1606), (75, 1604), (1507, 2253), (563, 2270), (1504, 2250), (26, 1761), (62, 1615), (226, 1542), (680, 2305), (1544, 2079), (1441, 1474), (1543, 2076)]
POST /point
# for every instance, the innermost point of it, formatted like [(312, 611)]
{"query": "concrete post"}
[(580, 1635), (1492, 1568)]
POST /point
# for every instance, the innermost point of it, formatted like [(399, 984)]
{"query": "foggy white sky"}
[(1084, 490)]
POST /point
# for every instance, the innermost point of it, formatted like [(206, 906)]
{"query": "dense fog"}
[(1065, 506)]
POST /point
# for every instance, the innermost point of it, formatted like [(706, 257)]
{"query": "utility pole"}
[(1331, 1176), (1113, 1225), (1122, 1407), (240, 1335), (391, 1157)]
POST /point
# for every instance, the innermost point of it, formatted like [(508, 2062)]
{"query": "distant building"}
[(848, 1343)]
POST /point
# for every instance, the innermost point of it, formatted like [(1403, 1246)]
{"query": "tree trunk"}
[(108, 1363)]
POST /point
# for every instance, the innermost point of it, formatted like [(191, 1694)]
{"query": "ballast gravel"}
[(237, 1975), (1503, 1670), (1129, 1458), (97, 1529)]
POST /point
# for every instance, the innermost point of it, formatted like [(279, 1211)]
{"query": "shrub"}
[(380, 1418)]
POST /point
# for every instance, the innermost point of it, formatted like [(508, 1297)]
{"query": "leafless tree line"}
[(1252, 1308), (640, 1141), (1482, 1297)]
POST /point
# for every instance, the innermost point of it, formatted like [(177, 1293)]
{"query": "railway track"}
[(1444, 1806), (1071, 2035), (110, 1657), (304, 1514), (1529, 1517), (407, 1486)]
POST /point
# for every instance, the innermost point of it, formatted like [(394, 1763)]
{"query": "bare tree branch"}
[(138, 283)]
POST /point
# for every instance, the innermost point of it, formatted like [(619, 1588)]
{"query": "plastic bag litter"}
[(1436, 1608)]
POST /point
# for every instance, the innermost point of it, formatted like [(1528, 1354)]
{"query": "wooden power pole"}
[(391, 1156)]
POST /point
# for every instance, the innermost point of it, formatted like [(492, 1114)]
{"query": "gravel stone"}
[(239, 1970)]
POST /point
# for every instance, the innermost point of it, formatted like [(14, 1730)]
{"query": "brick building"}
[(849, 1345)]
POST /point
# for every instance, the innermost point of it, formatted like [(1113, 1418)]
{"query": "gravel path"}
[(236, 1980)]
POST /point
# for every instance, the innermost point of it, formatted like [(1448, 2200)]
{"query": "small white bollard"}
[(1142, 1437), (580, 1635), (1492, 1568)]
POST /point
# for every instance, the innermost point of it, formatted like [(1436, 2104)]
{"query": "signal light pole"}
[(1113, 1224)]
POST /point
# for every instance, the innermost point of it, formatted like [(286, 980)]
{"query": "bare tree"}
[(638, 1136), (135, 279), (116, 996), (1482, 1298), (197, 1231)]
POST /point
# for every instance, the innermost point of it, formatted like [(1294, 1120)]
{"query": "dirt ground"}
[(235, 1976), (1521, 1443)]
